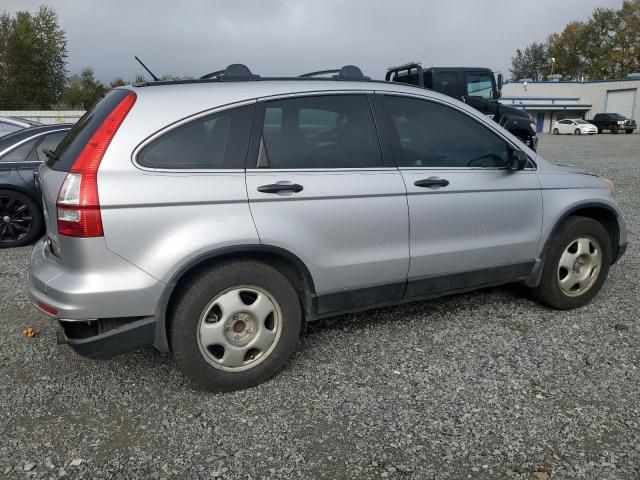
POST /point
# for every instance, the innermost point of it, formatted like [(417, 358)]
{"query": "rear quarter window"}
[(216, 141)]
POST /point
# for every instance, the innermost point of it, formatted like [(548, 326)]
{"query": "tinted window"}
[(49, 142), (215, 141), (84, 128), (448, 83), (8, 128), (335, 131), (21, 153), (480, 85), (428, 134)]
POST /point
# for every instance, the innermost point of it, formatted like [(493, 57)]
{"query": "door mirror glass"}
[(517, 160), (500, 82)]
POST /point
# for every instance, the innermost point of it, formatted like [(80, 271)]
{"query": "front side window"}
[(324, 131), (217, 141), (20, 153), (480, 85), (429, 134)]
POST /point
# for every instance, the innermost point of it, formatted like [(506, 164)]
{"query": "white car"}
[(574, 126)]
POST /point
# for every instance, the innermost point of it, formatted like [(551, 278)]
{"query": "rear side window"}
[(49, 142), (21, 153), (332, 131), (71, 146), (217, 141), (429, 134)]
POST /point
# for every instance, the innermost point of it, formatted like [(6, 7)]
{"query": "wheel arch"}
[(23, 190), (601, 212), (283, 260)]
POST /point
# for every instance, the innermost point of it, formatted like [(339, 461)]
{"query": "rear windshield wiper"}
[(51, 154)]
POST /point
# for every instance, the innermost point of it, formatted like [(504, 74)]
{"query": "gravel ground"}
[(481, 385)]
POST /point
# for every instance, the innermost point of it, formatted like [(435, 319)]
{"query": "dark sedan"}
[(22, 152)]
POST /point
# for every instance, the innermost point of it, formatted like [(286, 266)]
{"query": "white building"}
[(549, 101)]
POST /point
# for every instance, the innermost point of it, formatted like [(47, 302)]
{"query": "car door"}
[(473, 222), (320, 187)]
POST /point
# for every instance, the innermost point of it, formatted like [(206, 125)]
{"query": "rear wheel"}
[(20, 219), (236, 325), (555, 131), (576, 265), (577, 131)]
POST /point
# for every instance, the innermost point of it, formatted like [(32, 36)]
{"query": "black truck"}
[(477, 87), (613, 122)]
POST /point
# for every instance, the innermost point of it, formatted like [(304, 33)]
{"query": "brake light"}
[(78, 205)]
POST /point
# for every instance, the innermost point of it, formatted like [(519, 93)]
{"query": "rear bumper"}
[(111, 289), (129, 337), (106, 287)]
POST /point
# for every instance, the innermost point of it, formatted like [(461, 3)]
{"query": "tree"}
[(82, 90), (118, 82), (33, 52), (533, 63), (567, 52), (606, 46)]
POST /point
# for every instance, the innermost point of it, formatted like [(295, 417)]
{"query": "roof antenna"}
[(145, 67)]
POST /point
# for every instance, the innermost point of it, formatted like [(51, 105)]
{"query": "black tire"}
[(628, 131), (21, 219), (556, 131), (185, 324), (614, 130), (549, 291), (599, 130), (577, 132)]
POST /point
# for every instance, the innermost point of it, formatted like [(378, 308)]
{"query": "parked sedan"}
[(574, 127), (13, 124), (21, 152)]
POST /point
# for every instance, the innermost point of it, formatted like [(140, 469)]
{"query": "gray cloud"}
[(288, 37)]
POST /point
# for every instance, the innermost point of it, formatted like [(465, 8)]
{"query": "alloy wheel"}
[(16, 219)]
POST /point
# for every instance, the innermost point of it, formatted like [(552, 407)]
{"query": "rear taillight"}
[(78, 205)]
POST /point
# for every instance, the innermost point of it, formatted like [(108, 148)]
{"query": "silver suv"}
[(214, 218)]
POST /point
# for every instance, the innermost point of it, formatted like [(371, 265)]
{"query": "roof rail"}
[(234, 72), (348, 72)]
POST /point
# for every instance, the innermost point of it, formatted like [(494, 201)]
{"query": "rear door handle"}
[(431, 182), (280, 187)]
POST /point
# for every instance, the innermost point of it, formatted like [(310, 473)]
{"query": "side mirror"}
[(500, 81), (517, 160)]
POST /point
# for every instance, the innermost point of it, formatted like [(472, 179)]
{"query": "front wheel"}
[(576, 264), (614, 130), (556, 131), (236, 325), (21, 219), (628, 131), (577, 131)]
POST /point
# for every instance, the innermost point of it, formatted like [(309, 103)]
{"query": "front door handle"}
[(280, 187), (431, 182)]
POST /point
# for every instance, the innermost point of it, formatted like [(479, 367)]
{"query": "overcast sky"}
[(289, 37)]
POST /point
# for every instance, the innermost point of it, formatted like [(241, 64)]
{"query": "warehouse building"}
[(553, 100)]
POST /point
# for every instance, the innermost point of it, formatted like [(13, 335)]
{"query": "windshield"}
[(581, 122)]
